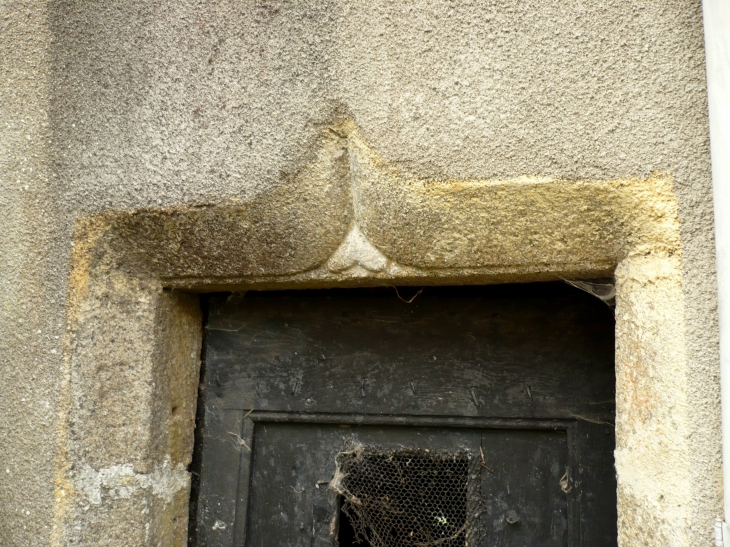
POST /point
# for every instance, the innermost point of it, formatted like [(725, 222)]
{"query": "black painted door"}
[(478, 416)]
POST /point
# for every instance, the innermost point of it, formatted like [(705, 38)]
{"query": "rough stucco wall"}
[(32, 279), (165, 103)]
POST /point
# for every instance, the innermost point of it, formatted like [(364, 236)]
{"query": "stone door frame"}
[(345, 217)]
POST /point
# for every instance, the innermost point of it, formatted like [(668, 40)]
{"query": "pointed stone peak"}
[(356, 250)]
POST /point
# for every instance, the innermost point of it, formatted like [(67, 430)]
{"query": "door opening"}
[(345, 532), (466, 416)]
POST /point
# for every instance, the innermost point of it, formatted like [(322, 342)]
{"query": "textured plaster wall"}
[(128, 105), (33, 270)]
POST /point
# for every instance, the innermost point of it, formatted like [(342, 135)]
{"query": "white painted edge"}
[(716, 15)]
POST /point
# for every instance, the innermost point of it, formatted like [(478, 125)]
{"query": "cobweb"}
[(404, 498)]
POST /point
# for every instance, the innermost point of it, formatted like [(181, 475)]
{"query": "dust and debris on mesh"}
[(404, 497)]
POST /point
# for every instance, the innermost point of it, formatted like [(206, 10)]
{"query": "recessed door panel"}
[(527, 489), (293, 465)]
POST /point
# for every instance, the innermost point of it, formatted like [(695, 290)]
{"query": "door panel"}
[(524, 500), (520, 378), (291, 502), (456, 355)]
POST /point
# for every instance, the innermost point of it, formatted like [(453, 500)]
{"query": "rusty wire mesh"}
[(404, 498)]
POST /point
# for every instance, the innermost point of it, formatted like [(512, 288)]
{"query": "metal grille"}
[(404, 498)]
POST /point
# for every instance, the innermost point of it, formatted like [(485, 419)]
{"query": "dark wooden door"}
[(478, 416)]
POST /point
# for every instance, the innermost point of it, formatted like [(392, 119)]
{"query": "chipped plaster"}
[(121, 481)]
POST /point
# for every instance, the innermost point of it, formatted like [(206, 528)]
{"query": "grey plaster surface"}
[(126, 105), (33, 266)]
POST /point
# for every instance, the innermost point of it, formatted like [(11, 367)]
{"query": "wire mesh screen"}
[(404, 498)]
